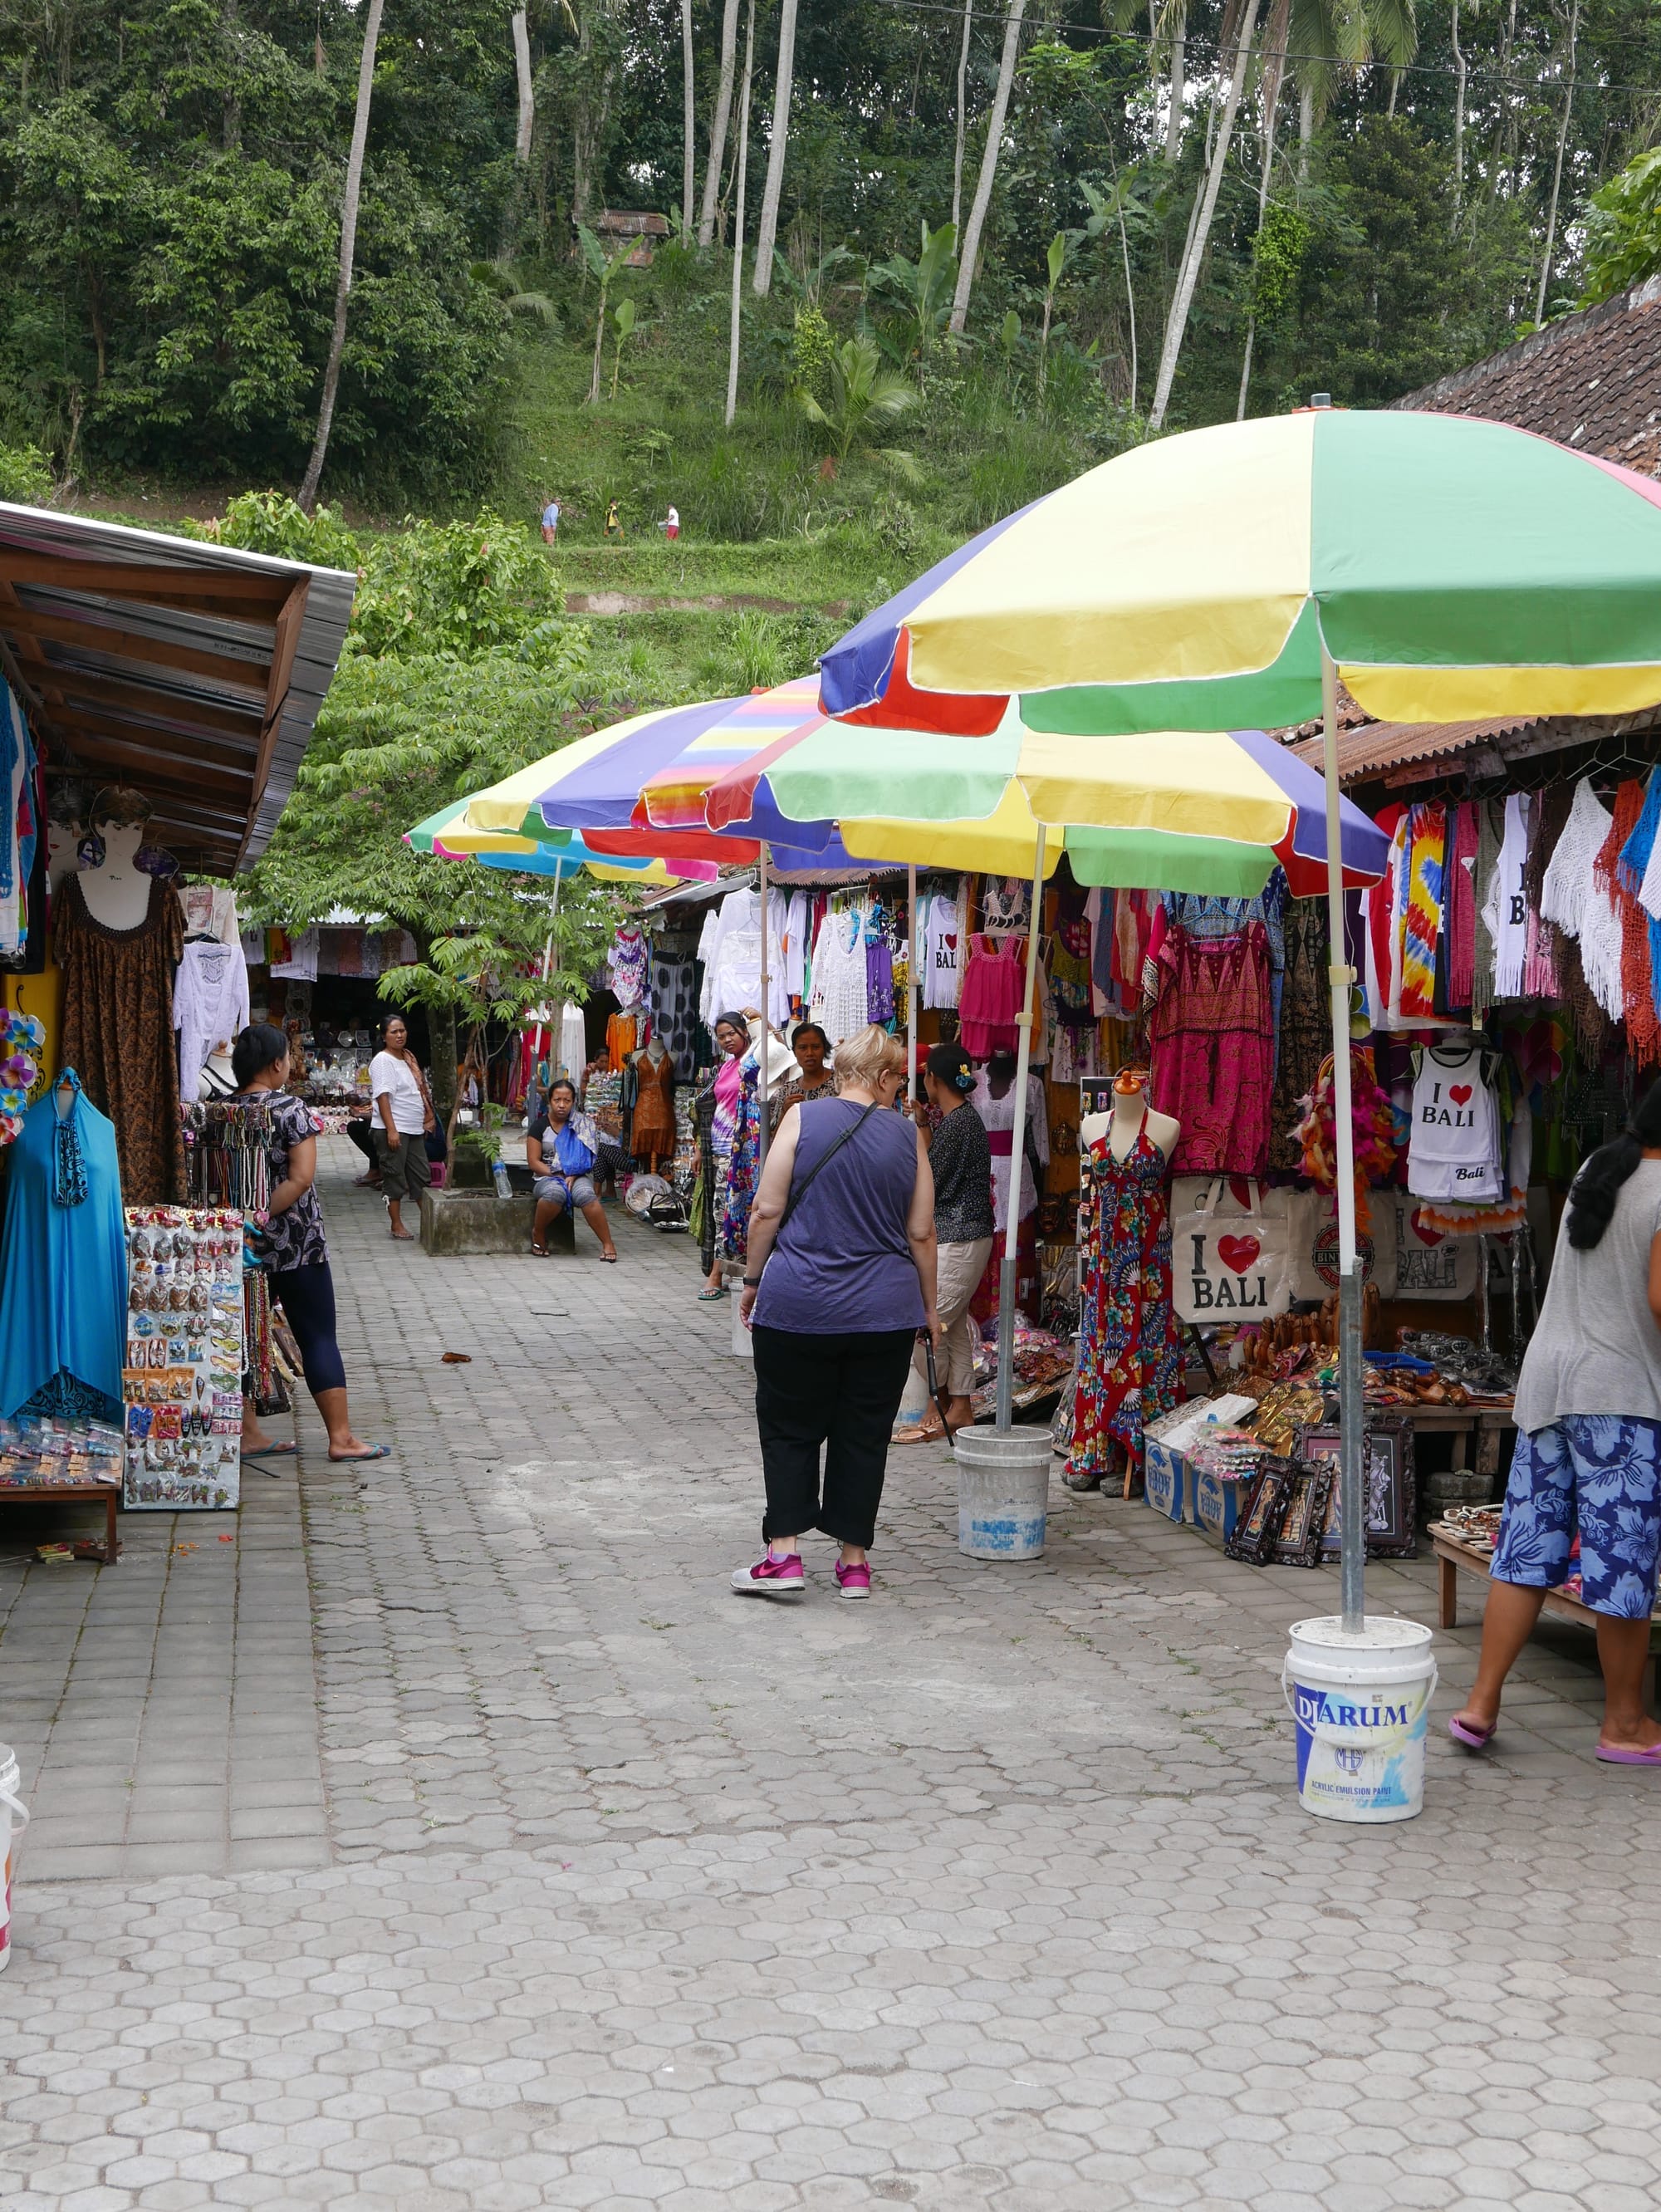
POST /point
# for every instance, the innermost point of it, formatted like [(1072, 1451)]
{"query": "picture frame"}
[(1392, 1483), (1309, 1498), (1259, 1525)]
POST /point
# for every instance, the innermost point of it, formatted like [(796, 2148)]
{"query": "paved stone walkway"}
[(453, 1839)]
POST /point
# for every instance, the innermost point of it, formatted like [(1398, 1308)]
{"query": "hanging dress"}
[(1128, 1354), (63, 1263), (1212, 1040), (119, 1031), (994, 991)]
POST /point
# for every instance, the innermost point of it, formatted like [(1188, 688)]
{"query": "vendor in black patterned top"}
[(961, 1161), (294, 1243)]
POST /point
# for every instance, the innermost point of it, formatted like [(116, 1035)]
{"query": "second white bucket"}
[(13, 1818), (1003, 1492), (1361, 1703)]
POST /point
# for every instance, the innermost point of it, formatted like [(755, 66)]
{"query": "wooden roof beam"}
[(197, 591), (139, 764), (163, 743), (182, 713)]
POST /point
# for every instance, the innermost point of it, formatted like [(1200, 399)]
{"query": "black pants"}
[(307, 1296), (842, 1392)]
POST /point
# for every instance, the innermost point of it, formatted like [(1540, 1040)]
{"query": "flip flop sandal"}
[(1475, 1738), (609, 1259), (273, 1451), (919, 1435), (708, 1297), (539, 1250), (1612, 1757), (354, 1458)]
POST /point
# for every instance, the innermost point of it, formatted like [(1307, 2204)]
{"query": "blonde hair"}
[(866, 1058)]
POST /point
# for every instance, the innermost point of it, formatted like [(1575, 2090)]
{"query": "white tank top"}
[(1454, 1151)]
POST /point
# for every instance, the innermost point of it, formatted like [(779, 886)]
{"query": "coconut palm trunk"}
[(1557, 172), (983, 190), (1274, 76), (348, 242), (527, 115), (718, 124), (1188, 280), (689, 120), (767, 231), (738, 225), (962, 98)]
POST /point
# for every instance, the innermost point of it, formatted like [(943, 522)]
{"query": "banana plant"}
[(1062, 247), (623, 316), (603, 268), (1123, 209), (924, 286)]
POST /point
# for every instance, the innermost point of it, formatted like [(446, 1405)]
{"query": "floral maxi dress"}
[(1128, 1346)]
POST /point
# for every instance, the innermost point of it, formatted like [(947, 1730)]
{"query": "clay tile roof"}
[(1592, 381)]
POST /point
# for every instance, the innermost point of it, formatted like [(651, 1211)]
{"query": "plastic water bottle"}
[(498, 1171)]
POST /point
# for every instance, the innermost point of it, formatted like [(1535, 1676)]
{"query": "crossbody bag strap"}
[(823, 1160)]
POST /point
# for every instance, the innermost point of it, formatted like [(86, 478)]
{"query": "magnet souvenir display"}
[(182, 1382)]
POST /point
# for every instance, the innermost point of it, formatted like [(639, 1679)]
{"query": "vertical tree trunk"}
[(767, 230), (738, 224), (1306, 127), (717, 129), (527, 119), (1458, 117), (970, 252), (1129, 299), (348, 240), (1557, 172), (1274, 76), (1179, 89), (689, 120), (591, 134), (962, 97), (1188, 278)]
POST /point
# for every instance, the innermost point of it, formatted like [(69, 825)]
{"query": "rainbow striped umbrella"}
[(1451, 567), (446, 837)]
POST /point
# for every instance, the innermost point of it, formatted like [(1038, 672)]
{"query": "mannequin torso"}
[(1130, 1114), (118, 893)]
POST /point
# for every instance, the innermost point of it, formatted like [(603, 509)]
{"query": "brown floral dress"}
[(118, 1032)]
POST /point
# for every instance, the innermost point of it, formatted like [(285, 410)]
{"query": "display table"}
[(1454, 1557), (1483, 1425)]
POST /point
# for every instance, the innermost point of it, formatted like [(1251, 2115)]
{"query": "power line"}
[(1475, 67)]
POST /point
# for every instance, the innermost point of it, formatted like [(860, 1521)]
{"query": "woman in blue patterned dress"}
[(1588, 1458)]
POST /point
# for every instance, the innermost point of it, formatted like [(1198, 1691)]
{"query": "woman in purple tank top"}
[(843, 1225)]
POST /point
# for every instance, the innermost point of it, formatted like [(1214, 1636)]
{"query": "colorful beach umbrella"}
[(446, 835), (596, 784), (1209, 811), (1452, 567)]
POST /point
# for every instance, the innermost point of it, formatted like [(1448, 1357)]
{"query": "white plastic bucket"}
[(1360, 1703), (1003, 1492), (742, 1347), (13, 1818)]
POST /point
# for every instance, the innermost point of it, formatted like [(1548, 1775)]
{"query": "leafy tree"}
[(924, 286), (1623, 230)]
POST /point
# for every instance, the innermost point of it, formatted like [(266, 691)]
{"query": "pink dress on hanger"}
[(994, 989)]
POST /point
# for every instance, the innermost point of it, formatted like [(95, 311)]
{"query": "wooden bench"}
[(1454, 1556)]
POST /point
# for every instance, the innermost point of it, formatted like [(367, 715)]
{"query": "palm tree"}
[(689, 119), (962, 92), (717, 129), (863, 397), (761, 283), (983, 190), (348, 240), (1199, 229), (738, 226)]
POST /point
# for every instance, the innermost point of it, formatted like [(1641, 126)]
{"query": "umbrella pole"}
[(767, 1026), (911, 985), (1352, 1486), (1006, 1288)]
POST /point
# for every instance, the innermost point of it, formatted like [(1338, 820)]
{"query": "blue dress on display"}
[(63, 1263)]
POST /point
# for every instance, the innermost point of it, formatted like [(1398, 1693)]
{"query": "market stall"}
[(156, 695)]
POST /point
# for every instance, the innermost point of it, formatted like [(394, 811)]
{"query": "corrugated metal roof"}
[(1374, 748), (193, 672)]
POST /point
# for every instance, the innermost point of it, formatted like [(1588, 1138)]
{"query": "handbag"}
[(1231, 1254)]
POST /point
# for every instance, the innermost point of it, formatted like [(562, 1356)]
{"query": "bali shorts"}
[(552, 1189), (1598, 1473)]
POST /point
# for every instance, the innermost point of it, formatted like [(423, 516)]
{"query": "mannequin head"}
[(117, 821)]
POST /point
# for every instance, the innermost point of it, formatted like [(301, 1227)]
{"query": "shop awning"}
[(193, 672)]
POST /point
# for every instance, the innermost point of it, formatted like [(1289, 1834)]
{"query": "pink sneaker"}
[(771, 1577), (854, 1581)]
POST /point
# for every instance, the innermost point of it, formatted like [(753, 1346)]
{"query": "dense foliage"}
[(171, 176)]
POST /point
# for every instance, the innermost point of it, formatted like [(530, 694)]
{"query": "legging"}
[(307, 1296)]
